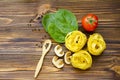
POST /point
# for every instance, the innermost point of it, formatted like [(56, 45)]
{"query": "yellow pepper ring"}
[(81, 60), (75, 40), (96, 44)]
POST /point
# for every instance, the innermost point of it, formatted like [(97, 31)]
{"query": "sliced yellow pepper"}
[(81, 60), (75, 40), (96, 44)]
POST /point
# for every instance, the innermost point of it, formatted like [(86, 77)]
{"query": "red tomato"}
[(90, 22)]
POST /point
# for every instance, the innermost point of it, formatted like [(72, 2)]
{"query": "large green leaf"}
[(59, 24)]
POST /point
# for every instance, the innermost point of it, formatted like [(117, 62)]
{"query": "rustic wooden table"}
[(20, 45)]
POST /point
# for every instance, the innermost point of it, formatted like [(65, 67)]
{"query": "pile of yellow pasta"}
[(76, 40)]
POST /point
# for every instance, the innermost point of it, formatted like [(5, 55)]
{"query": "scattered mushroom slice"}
[(58, 51), (67, 57), (57, 62)]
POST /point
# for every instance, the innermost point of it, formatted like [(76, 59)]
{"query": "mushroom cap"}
[(58, 51), (67, 57), (57, 62)]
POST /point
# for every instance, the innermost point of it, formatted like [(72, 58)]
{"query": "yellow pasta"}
[(81, 59), (96, 44), (75, 41)]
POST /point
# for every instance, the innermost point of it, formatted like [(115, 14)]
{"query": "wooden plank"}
[(26, 62), (44, 76), (36, 48), (11, 34)]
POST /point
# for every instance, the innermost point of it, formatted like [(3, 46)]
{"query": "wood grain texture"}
[(21, 46)]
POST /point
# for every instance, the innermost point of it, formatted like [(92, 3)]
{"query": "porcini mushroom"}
[(57, 62), (67, 57), (58, 51)]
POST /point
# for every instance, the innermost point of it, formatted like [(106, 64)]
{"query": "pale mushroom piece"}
[(59, 63), (58, 51), (67, 57)]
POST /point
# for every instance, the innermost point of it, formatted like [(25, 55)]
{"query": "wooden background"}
[(20, 45)]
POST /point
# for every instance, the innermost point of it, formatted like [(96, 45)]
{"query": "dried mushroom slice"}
[(67, 57), (57, 62), (58, 51)]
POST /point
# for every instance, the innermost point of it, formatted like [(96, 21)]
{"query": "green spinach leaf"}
[(59, 24)]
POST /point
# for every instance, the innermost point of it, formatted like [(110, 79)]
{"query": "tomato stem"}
[(91, 20)]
